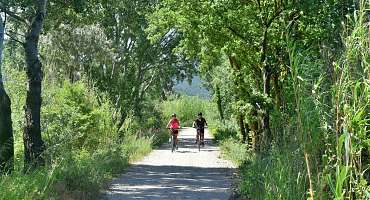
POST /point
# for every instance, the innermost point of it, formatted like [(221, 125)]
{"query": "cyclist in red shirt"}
[(174, 126)]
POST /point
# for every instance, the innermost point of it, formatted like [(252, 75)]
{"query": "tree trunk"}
[(33, 144), (6, 129), (254, 129), (219, 103), (242, 128), (277, 91), (239, 92), (266, 136)]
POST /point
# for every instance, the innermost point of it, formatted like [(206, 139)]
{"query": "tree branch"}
[(238, 34), (148, 84), (13, 15), (269, 22), (14, 38)]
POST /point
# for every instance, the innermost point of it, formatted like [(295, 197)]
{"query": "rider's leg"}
[(176, 137), (197, 137), (177, 141), (202, 136)]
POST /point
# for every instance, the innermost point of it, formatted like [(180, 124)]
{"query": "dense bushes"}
[(75, 120), (224, 131), (235, 151), (84, 146)]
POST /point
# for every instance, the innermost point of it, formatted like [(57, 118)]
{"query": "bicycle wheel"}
[(173, 143), (198, 140)]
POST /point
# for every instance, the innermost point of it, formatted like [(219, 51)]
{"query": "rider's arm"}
[(205, 122), (168, 125)]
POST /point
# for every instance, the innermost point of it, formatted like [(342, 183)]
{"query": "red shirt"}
[(174, 124)]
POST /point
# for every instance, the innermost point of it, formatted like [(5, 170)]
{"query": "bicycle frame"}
[(200, 138), (173, 140)]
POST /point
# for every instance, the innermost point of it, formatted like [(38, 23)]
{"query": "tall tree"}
[(31, 17), (33, 144), (6, 129), (113, 52)]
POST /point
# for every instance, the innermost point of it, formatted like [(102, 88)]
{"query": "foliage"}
[(74, 119), (187, 109), (294, 78), (276, 176), (224, 131), (84, 149), (235, 151), (113, 54), (289, 78)]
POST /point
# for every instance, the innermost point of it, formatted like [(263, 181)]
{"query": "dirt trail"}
[(185, 174)]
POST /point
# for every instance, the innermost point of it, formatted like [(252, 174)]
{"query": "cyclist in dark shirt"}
[(199, 124)]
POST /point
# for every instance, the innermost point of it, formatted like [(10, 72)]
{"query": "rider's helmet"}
[(173, 115), (200, 114)]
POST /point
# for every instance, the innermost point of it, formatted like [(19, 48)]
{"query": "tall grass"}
[(352, 107), (235, 151), (75, 175), (278, 176), (322, 150), (187, 108)]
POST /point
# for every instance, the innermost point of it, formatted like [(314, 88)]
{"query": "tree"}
[(213, 29), (32, 19), (113, 53), (33, 143), (6, 129)]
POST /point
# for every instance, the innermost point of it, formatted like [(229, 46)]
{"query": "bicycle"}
[(200, 138), (174, 145)]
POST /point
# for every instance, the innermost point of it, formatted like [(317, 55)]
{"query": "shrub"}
[(83, 147), (73, 119), (224, 131), (235, 151)]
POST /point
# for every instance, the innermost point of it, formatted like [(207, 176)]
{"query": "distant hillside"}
[(193, 89)]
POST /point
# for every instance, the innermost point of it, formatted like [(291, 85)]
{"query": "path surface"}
[(185, 174)]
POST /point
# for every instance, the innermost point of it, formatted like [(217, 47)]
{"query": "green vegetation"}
[(294, 78), (87, 86), (84, 147), (187, 109), (84, 83), (233, 150)]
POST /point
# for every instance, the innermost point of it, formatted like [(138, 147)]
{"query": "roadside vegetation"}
[(85, 148), (290, 81), (87, 86), (78, 98)]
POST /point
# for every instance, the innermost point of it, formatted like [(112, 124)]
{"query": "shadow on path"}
[(171, 182)]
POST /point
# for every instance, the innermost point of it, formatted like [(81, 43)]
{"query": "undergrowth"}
[(85, 147)]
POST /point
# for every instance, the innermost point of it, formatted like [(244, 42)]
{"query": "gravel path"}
[(185, 174)]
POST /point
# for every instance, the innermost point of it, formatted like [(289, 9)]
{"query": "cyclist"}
[(174, 125), (199, 124)]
